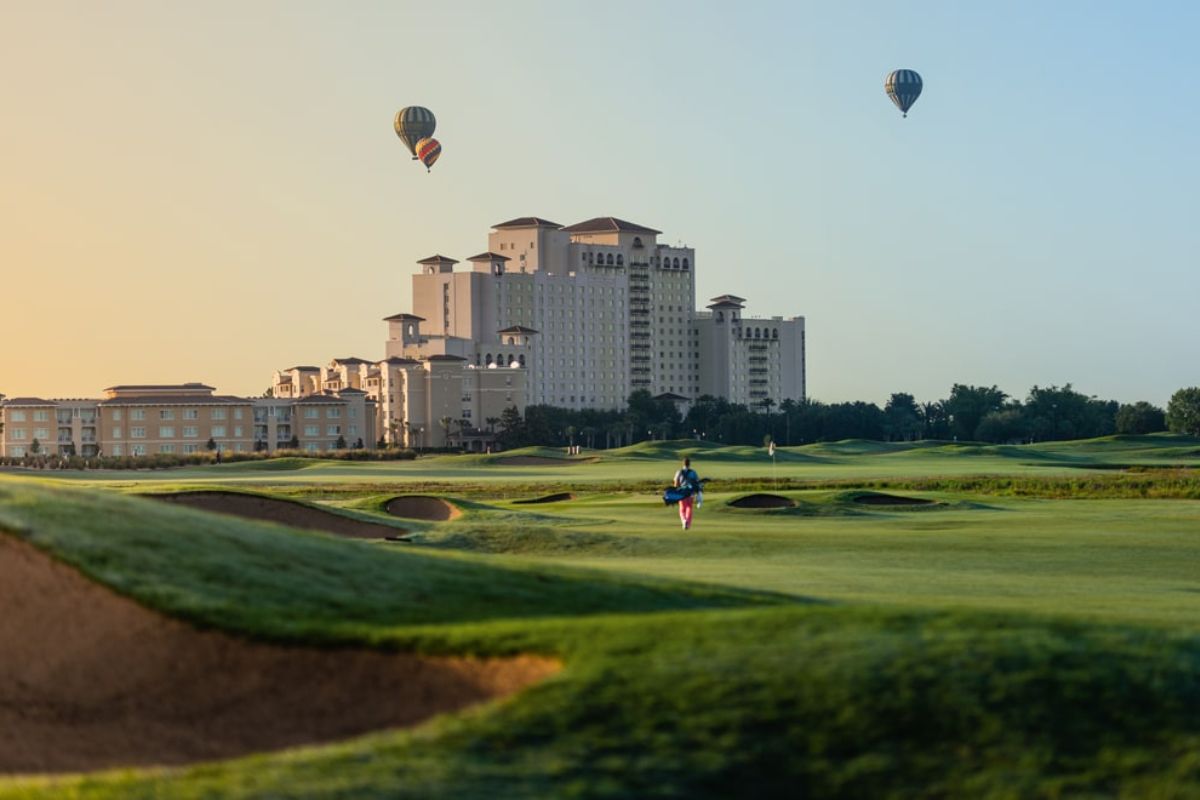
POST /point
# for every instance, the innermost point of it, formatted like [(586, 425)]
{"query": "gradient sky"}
[(212, 191)]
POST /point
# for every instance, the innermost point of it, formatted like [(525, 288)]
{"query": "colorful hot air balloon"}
[(904, 87), (414, 124), (428, 150)]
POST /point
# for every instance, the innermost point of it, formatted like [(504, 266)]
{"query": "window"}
[(237, 413), (333, 413), (352, 413), (137, 414), (312, 430), (191, 448), (217, 430), (116, 433), (116, 415), (191, 413), (18, 416), (312, 413), (352, 430), (218, 413), (190, 431), (311, 447), (237, 431), (166, 448), (166, 432), (333, 430), (137, 450), (609, 260), (137, 433), (620, 260), (41, 416), (41, 434), (117, 450), (166, 413), (18, 434), (685, 263)]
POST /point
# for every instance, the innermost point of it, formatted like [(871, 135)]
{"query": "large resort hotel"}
[(577, 316)]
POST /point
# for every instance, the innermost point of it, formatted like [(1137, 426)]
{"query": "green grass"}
[(1036, 633)]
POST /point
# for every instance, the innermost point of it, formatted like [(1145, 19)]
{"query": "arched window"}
[(775, 333), (757, 333), (610, 259), (589, 258), (521, 360), (720, 316), (489, 360), (676, 263), (511, 340), (637, 241), (620, 260), (685, 263)]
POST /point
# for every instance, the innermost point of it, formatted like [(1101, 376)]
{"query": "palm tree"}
[(445, 423), (491, 423)]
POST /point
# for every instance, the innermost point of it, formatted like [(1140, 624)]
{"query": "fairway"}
[(913, 620)]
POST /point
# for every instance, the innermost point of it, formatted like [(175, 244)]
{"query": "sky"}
[(213, 191)]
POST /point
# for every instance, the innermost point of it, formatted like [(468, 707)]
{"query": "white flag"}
[(771, 449)]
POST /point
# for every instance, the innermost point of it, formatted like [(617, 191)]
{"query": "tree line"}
[(970, 413)]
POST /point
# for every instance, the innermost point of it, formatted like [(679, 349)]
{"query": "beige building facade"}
[(139, 420), (430, 398), (749, 360), (595, 311)]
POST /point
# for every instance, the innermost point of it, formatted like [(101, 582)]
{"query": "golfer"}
[(687, 478)]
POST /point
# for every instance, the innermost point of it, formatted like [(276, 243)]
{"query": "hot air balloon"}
[(428, 150), (904, 87), (414, 124)]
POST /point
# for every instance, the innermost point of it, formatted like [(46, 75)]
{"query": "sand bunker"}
[(284, 512), (762, 501), (550, 498), (423, 507), (92, 680), (891, 500)]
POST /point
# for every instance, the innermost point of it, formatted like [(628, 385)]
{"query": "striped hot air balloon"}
[(414, 124), (904, 87), (428, 150)]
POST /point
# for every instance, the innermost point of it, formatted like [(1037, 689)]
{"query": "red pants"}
[(685, 511)]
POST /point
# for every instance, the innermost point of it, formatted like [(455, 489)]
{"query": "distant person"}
[(687, 480)]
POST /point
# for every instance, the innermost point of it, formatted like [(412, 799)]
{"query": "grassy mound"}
[(259, 579), (822, 703)]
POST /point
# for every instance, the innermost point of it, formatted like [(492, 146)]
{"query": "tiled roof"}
[(527, 222), (177, 400), (608, 225), (444, 357), (320, 398), (439, 259), (396, 317), (399, 360), (517, 329), (489, 256), (182, 386), (727, 301), (25, 401), (303, 369), (351, 360)]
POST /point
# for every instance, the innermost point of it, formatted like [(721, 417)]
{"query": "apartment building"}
[(437, 399), (748, 360), (136, 420), (594, 311)]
